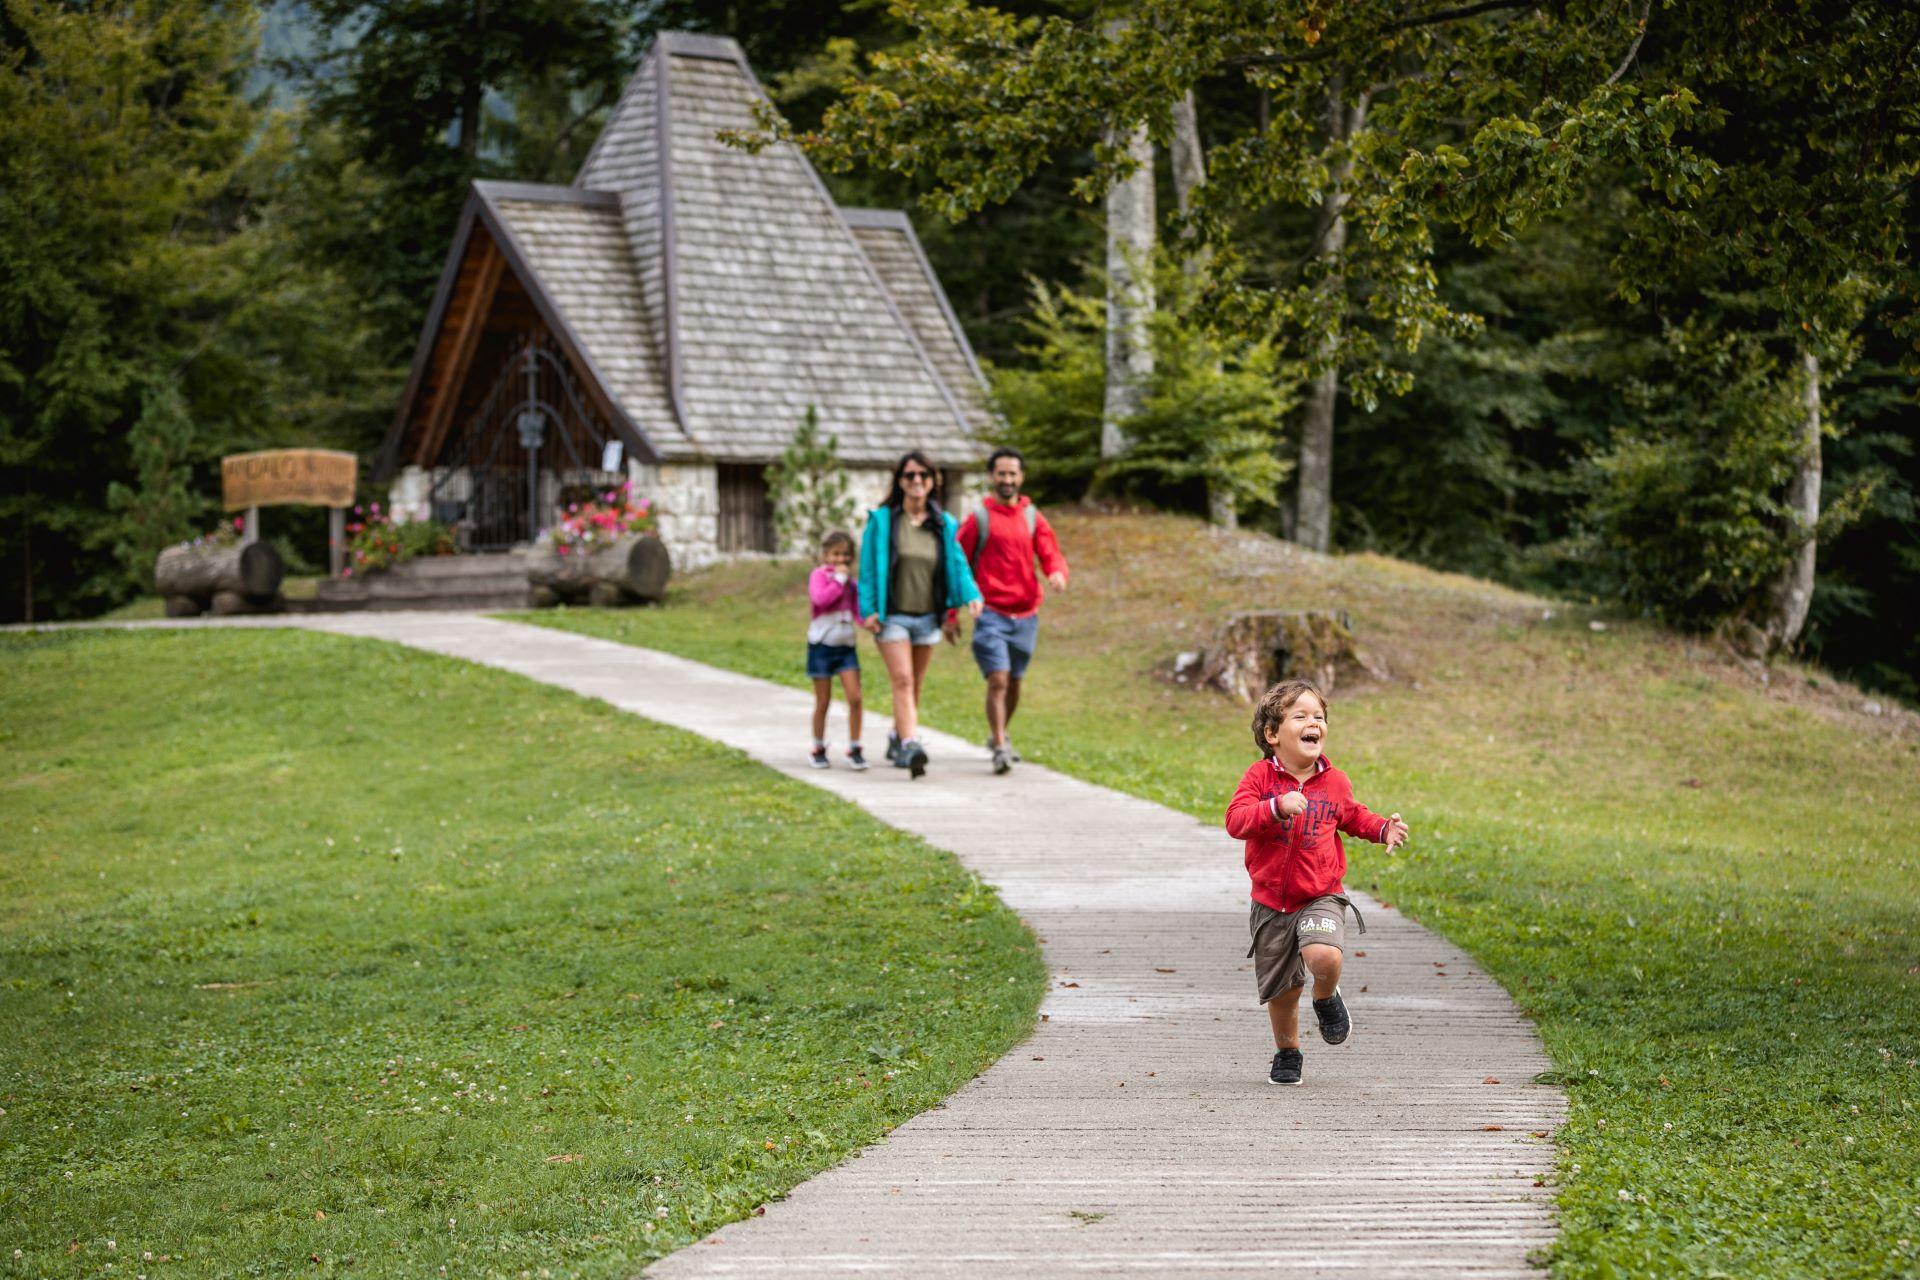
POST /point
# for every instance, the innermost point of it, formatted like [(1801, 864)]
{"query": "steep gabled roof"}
[(887, 238), (709, 295), (766, 302)]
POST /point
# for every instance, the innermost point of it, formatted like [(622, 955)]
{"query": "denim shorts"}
[(921, 628), (1004, 644), (824, 661)]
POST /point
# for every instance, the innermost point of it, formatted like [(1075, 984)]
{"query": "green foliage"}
[(147, 293), (1212, 420), (807, 487), (1683, 513), (245, 1052), (981, 99), (161, 507)]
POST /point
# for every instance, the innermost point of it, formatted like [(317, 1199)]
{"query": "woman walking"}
[(913, 579)]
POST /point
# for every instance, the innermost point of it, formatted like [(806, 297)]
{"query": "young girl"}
[(830, 638)]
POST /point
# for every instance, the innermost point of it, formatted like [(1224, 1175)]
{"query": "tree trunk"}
[(250, 569), (473, 93), (1189, 172), (1130, 238), (1792, 592), (1313, 509)]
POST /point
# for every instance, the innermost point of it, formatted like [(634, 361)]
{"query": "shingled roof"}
[(713, 294)]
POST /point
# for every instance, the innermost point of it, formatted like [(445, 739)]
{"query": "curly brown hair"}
[(1273, 704)]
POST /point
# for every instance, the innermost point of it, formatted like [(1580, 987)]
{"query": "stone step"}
[(510, 563)]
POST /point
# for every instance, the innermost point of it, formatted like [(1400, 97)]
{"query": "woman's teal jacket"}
[(876, 564)]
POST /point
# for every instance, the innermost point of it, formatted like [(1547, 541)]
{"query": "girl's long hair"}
[(896, 496)]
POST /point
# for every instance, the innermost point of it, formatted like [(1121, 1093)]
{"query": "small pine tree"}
[(808, 488)]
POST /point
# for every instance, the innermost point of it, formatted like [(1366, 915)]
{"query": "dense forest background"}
[(221, 226)]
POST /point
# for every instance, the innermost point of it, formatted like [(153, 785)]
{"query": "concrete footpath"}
[(1134, 1132)]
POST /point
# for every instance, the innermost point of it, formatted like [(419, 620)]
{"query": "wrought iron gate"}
[(491, 484)]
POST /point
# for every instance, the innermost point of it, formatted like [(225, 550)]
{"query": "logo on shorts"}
[(1319, 924)]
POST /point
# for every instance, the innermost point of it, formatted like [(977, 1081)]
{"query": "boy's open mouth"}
[(1311, 738)]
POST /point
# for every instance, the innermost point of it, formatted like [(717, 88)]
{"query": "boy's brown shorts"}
[(1279, 935)]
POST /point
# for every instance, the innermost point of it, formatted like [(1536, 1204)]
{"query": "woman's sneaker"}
[(819, 758), (1012, 755), (856, 759), (1286, 1067), (893, 747), (1002, 759), (913, 756), (1331, 1014)]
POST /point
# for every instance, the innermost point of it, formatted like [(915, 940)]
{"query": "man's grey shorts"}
[(1278, 937)]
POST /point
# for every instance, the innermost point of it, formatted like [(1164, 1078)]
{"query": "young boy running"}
[(1290, 808)]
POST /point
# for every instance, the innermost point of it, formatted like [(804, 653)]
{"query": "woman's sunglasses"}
[(916, 475)]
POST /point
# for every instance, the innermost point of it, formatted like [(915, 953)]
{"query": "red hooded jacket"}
[(1294, 860), (1004, 567)]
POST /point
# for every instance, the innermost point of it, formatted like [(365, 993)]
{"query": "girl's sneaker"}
[(819, 758), (856, 759)]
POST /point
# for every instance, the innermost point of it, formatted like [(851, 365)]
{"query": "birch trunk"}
[(1130, 236), (1313, 508), (1189, 171), (1792, 592)]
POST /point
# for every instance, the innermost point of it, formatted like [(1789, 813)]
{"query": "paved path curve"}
[(1134, 1131)]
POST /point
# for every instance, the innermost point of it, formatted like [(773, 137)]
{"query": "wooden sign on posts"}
[(276, 477)]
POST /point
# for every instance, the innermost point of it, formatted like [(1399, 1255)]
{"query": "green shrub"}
[(1214, 415)]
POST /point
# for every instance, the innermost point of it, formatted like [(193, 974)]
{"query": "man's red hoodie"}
[(1004, 568), (1294, 860)]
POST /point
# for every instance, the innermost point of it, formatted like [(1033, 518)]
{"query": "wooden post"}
[(336, 540), (253, 525)]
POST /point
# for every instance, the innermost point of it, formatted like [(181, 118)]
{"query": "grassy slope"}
[(318, 948), (1705, 889)]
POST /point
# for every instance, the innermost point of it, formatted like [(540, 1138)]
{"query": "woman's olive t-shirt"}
[(916, 549)]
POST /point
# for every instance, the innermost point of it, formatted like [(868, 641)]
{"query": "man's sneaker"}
[(1286, 1067), (1002, 759), (819, 758), (913, 756), (856, 758), (893, 747), (1331, 1014)]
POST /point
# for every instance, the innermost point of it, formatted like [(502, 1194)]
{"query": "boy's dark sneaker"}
[(913, 756), (819, 758), (856, 758), (1286, 1067), (1331, 1014)]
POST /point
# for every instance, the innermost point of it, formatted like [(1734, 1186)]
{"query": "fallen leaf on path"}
[(1491, 1080), (1158, 969), (1492, 1128), (1069, 984), (1539, 1133)]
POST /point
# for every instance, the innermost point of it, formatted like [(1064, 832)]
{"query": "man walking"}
[(1002, 537)]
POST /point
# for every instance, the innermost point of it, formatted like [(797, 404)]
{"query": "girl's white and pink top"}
[(834, 598)]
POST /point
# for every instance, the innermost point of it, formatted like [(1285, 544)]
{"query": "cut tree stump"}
[(185, 607), (227, 604), (250, 570), (1253, 651), (633, 570)]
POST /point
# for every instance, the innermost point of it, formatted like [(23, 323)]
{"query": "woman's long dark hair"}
[(896, 496)]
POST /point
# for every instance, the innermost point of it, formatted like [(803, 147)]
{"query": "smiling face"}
[(837, 556), (1007, 477), (1300, 736)]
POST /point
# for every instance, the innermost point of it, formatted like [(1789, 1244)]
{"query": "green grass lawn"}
[(1704, 888), (322, 955)]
